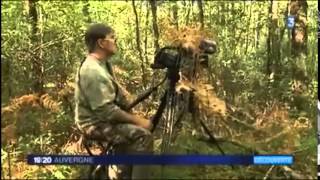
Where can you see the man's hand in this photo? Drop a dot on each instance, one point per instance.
(120, 116)
(144, 123)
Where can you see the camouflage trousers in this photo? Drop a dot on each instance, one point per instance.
(128, 139)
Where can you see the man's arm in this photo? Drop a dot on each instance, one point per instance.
(101, 95)
(114, 114)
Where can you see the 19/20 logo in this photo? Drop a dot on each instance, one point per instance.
(42, 160)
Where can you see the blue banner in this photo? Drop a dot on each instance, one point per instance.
(160, 159)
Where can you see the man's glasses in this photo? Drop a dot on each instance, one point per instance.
(111, 39)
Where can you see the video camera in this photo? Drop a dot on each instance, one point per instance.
(167, 57)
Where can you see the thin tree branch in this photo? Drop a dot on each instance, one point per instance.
(138, 43)
(268, 172)
(154, 23)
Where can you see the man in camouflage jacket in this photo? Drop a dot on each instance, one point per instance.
(100, 102)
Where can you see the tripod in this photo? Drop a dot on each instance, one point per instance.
(169, 100)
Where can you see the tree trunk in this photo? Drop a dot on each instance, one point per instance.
(222, 17)
(6, 77)
(201, 13)
(188, 14)
(248, 32)
(282, 31)
(138, 41)
(175, 15)
(37, 64)
(258, 28)
(146, 35)
(273, 44)
(269, 59)
(276, 44)
(85, 11)
(234, 42)
(155, 24)
(299, 54)
(299, 32)
(299, 38)
(193, 17)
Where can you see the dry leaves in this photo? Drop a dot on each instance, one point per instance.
(206, 99)
(67, 90)
(32, 100)
(188, 36)
(47, 102)
(8, 134)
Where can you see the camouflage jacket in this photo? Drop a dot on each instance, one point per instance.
(100, 95)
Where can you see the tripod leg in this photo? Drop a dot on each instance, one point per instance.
(212, 138)
(194, 111)
(178, 125)
(100, 172)
(168, 123)
(185, 99)
(157, 116)
(206, 129)
(90, 172)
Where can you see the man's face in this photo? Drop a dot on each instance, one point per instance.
(109, 44)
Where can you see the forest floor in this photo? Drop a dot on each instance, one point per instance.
(185, 143)
(32, 131)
